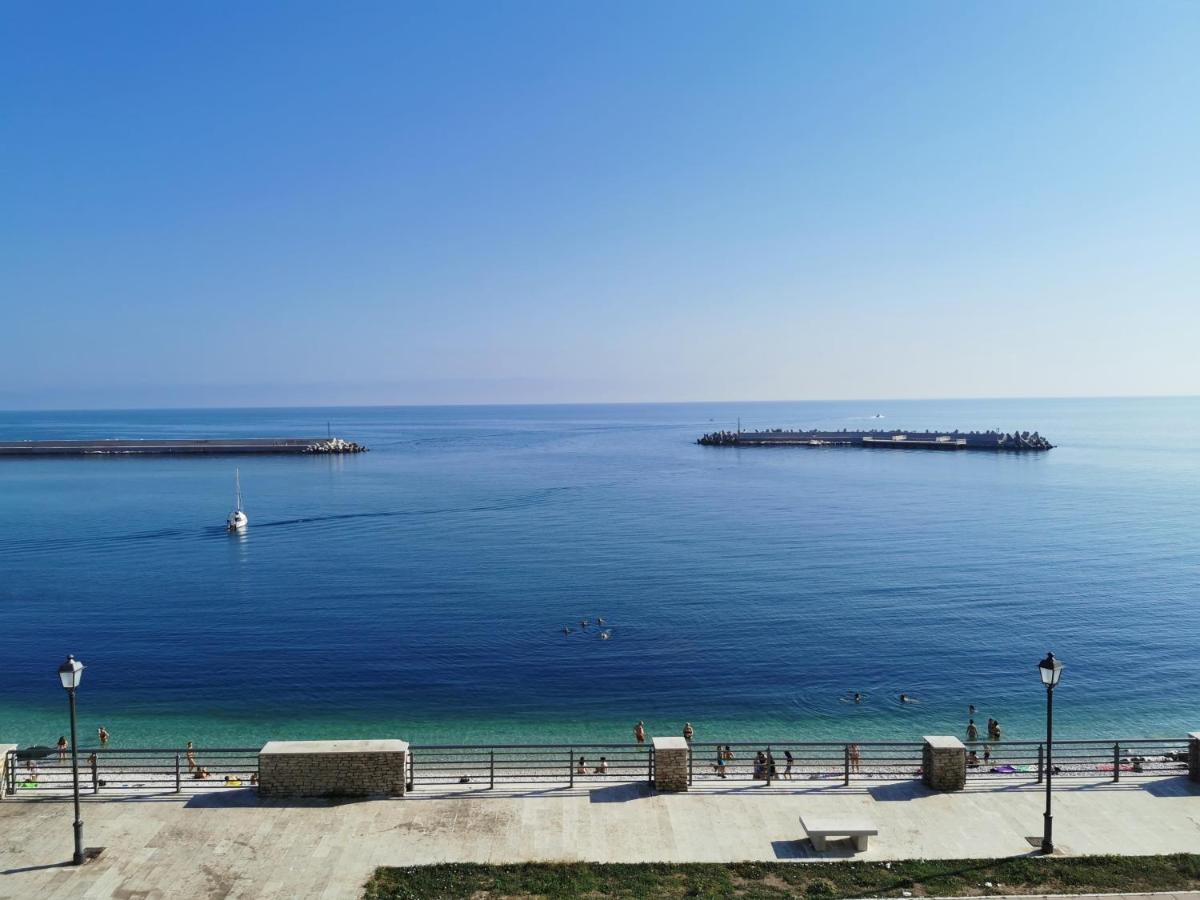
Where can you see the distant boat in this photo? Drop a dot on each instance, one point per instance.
(237, 519)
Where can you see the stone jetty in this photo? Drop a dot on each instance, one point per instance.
(185, 447)
(1014, 441)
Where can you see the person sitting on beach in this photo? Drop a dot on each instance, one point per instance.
(972, 730)
(253, 778)
(201, 773)
(973, 760)
(582, 768)
(62, 747)
(602, 769)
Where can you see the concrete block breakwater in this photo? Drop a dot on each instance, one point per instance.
(188, 446)
(1016, 441)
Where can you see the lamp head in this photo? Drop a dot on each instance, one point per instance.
(71, 673)
(1050, 670)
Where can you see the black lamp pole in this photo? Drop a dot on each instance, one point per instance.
(70, 674)
(1050, 670)
(78, 857)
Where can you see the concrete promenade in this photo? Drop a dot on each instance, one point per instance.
(231, 843)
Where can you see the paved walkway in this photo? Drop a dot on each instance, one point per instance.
(228, 843)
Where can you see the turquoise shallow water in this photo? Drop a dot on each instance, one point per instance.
(418, 590)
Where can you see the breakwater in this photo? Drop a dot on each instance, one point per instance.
(188, 447)
(1015, 441)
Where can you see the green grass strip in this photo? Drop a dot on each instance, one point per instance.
(824, 880)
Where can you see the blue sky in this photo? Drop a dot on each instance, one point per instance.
(290, 203)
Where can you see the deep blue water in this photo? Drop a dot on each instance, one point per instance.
(418, 590)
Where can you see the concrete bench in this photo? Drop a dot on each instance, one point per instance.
(821, 830)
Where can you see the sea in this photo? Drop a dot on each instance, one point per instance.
(420, 590)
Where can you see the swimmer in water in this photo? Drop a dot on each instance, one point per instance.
(857, 697)
(904, 698)
(566, 630)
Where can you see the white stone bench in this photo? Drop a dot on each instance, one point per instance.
(821, 830)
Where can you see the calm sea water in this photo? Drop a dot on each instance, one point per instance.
(418, 590)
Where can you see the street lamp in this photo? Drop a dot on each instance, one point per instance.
(1050, 670)
(71, 673)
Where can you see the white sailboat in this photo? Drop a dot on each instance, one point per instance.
(237, 519)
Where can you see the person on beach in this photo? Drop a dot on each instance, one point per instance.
(32, 770)
(987, 752)
(728, 753)
(972, 730)
(855, 756)
(639, 732)
(200, 774)
(602, 769)
(191, 757)
(787, 765)
(102, 733)
(688, 731)
(719, 768)
(772, 772)
(581, 769)
(973, 760)
(62, 747)
(760, 766)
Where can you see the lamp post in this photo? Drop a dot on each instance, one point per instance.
(71, 673)
(1050, 670)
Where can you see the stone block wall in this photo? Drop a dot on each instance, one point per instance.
(671, 756)
(332, 768)
(944, 764)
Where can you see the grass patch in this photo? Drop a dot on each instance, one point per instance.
(761, 881)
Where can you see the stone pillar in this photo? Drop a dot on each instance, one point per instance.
(4, 773)
(670, 763)
(332, 768)
(1193, 756)
(944, 764)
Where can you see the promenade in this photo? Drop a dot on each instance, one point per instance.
(230, 843)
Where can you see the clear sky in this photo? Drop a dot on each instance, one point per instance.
(250, 203)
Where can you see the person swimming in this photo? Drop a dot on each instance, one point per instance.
(904, 698)
(857, 697)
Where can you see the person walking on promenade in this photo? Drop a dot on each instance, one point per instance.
(972, 730)
(62, 748)
(102, 733)
(639, 732)
(772, 773)
(688, 731)
(191, 757)
(855, 757)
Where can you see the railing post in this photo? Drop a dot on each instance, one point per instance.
(412, 769)
(770, 756)
(1117, 761)
(571, 766)
(846, 765)
(178, 786)
(1041, 762)
(95, 773)
(492, 767)
(691, 756)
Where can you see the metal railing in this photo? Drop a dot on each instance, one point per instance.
(131, 770)
(45, 771)
(1142, 757)
(784, 761)
(433, 765)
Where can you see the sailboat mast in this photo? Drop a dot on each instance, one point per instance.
(237, 480)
